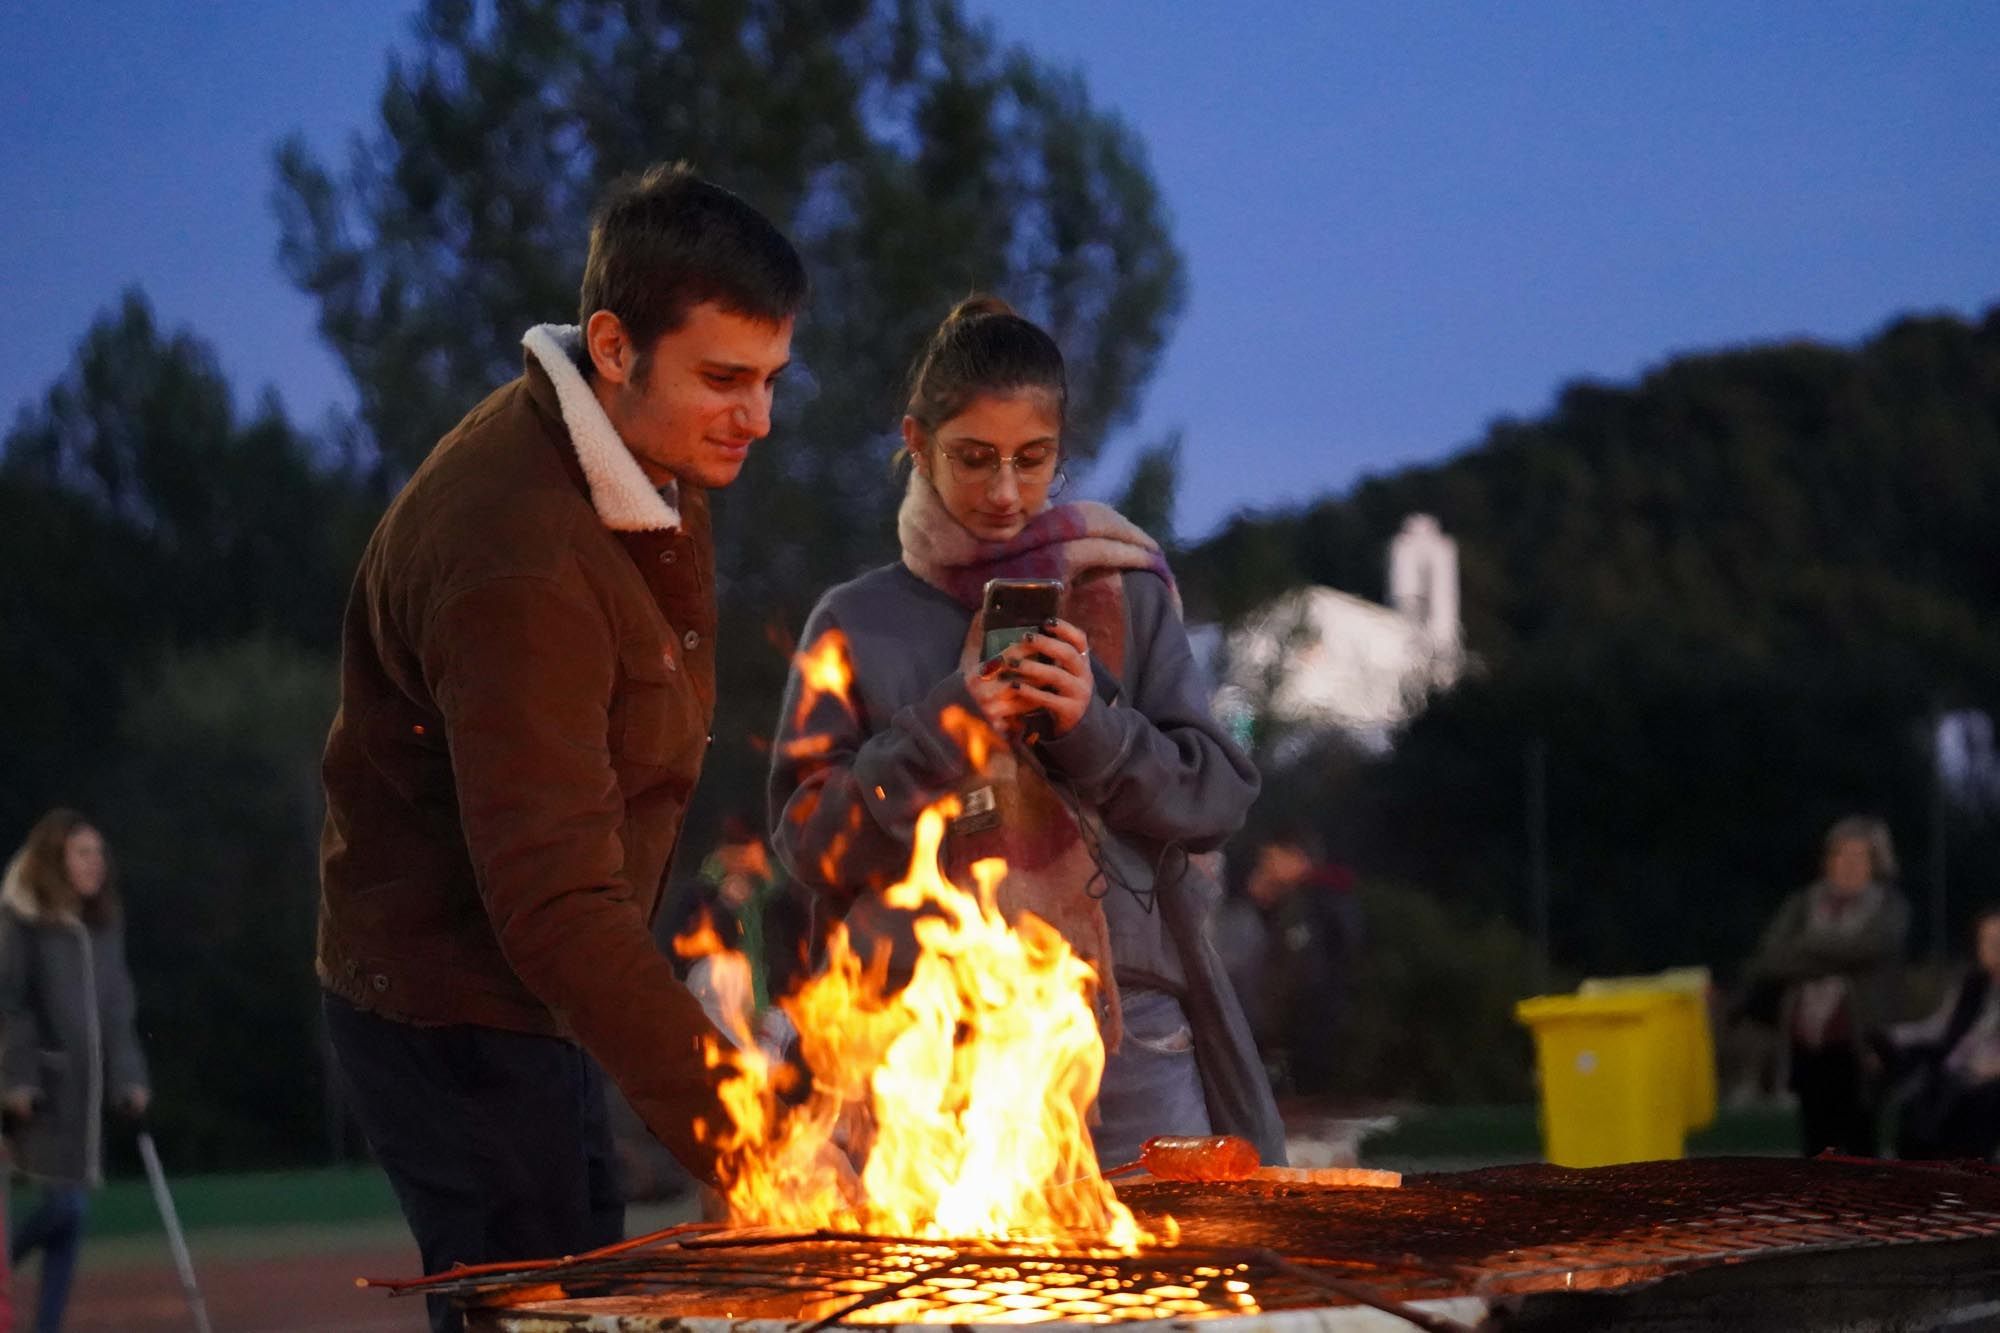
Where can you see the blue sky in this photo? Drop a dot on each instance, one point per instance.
(1400, 220)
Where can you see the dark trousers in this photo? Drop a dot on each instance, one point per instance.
(1836, 1109)
(56, 1229)
(497, 1143)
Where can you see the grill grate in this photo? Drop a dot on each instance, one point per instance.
(1252, 1247)
(1529, 1227)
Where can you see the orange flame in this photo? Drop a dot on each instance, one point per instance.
(824, 672)
(962, 1096)
(973, 733)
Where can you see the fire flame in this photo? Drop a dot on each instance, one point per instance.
(971, 732)
(962, 1096)
(824, 672)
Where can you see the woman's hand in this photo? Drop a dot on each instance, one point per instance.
(1049, 669)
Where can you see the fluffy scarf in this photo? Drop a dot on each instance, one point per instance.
(1044, 840)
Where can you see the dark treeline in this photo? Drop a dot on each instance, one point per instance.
(1725, 603)
(1723, 599)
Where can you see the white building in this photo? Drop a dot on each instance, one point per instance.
(1318, 658)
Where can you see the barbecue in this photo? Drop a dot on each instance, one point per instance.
(928, 1162)
(1721, 1242)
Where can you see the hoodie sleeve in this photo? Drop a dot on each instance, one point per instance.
(1155, 763)
(845, 795)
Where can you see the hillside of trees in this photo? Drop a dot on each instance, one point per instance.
(1724, 603)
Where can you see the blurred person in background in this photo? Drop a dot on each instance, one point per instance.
(1831, 958)
(527, 683)
(1952, 1059)
(1097, 813)
(70, 1047)
(1291, 935)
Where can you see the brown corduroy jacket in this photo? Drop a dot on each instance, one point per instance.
(525, 699)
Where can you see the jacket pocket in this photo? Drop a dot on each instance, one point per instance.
(655, 718)
(408, 750)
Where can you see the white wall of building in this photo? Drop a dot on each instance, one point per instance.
(1319, 657)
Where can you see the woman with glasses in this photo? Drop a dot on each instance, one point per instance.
(1110, 778)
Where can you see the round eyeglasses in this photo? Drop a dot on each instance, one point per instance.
(979, 465)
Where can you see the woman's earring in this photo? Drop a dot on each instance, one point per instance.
(1061, 483)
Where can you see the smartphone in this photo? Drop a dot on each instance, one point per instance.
(1014, 609)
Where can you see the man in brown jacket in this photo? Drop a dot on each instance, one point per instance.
(527, 678)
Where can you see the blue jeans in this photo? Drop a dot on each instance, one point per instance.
(497, 1144)
(56, 1229)
(1151, 1084)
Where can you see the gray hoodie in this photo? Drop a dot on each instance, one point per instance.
(1147, 756)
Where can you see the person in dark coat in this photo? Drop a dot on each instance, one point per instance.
(71, 1048)
(1831, 957)
(1292, 938)
(1952, 1059)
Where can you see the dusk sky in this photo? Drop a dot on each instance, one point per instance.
(1400, 220)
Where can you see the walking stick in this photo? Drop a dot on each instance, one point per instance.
(183, 1264)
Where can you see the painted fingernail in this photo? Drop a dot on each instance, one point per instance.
(1050, 623)
(1014, 685)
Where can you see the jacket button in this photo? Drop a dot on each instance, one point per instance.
(691, 640)
(666, 557)
(379, 982)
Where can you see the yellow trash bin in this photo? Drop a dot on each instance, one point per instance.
(1693, 1035)
(1612, 1076)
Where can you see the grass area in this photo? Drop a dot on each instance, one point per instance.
(1512, 1134)
(333, 1197)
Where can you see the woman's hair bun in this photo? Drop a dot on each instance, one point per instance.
(977, 306)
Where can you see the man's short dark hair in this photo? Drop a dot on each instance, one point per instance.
(665, 241)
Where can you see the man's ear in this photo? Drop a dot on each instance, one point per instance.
(611, 351)
(913, 440)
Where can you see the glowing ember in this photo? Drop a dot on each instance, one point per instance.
(962, 1096)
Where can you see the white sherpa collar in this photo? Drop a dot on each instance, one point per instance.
(625, 500)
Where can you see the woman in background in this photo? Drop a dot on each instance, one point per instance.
(69, 1049)
(1097, 804)
(1832, 953)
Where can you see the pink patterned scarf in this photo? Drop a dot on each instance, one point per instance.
(1075, 542)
